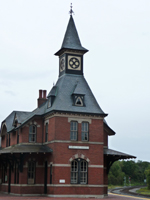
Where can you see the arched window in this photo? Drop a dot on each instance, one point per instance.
(79, 171)
(4, 130)
(32, 133)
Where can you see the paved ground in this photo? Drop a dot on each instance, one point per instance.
(110, 197)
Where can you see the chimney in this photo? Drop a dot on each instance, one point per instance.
(44, 94)
(42, 97)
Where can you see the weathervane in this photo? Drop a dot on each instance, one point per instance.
(71, 11)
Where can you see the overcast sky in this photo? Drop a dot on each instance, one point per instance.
(117, 66)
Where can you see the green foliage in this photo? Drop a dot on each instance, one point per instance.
(137, 171)
(147, 173)
(144, 191)
(116, 175)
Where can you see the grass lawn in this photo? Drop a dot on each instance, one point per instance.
(114, 186)
(144, 191)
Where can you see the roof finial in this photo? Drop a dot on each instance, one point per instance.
(71, 11)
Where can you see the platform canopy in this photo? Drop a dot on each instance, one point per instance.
(110, 156)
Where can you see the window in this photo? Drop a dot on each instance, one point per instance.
(79, 171)
(32, 133)
(31, 172)
(18, 137)
(16, 173)
(46, 132)
(85, 131)
(7, 140)
(49, 102)
(73, 130)
(78, 102)
(51, 172)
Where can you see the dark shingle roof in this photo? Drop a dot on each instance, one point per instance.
(53, 91)
(26, 148)
(21, 116)
(63, 90)
(78, 89)
(117, 154)
(71, 38)
(66, 84)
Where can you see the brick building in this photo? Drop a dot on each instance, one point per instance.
(61, 147)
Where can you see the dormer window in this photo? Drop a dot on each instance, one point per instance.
(78, 100)
(78, 95)
(51, 96)
(49, 103)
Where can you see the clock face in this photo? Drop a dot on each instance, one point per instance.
(74, 63)
(62, 64)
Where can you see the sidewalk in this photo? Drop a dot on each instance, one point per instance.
(110, 197)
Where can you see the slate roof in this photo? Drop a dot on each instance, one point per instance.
(53, 91)
(78, 89)
(26, 148)
(21, 116)
(108, 129)
(63, 101)
(71, 38)
(117, 154)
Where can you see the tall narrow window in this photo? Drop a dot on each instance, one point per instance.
(17, 173)
(46, 132)
(32, 133)
(74, 172)
(83, 172)
(8, 139)
(79, 171)
(51, 171)
(31, 172)
(85, 131)
(18, 137)
(73, 130)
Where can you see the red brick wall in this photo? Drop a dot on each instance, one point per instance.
(13, 138)
(105, 138)
(3, 141)
(59, 129)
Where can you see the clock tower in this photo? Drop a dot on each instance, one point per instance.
(71, 52)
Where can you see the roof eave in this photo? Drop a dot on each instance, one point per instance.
(62, 50)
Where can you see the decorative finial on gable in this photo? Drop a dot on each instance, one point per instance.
(71, 11)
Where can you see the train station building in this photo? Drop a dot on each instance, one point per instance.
(60, 148)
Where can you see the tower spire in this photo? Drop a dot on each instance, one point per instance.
(71, 39)
(71, 11)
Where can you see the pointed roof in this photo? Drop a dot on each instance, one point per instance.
(78, 89)
(71, 39)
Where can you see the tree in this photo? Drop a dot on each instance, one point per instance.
(147, 172)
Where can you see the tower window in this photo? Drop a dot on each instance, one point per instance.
(85, 131)
(73, 130)
(79, 171)
(78, 100)
(32, 133)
